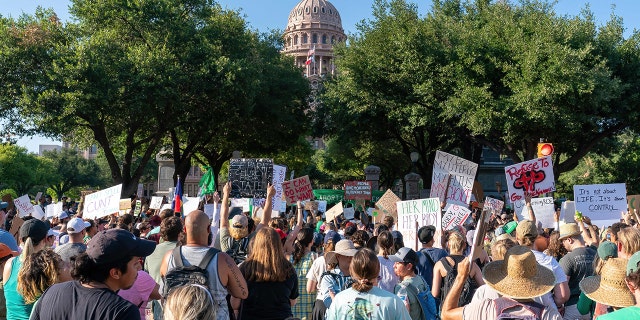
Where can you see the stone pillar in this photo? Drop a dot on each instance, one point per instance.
(372, 174)
(412, 190)
(165, 172)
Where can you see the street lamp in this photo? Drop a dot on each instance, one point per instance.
(414, 158)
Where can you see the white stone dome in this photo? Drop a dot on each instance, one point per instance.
(308, 12)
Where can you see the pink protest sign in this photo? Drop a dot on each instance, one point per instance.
(297, 189)
(533, 177)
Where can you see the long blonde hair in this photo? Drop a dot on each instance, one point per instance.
(266, 261)
(190, 302)
(38, 273)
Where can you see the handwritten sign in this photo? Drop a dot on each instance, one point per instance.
(387, 204)
(279, 173)
(357, 190)
(423, 211)
(102, 203)
(544, 209)
(156, 203)
(493, 205)
(455, 216)
(250, 177)
(335, 211)
(601, 201)
(454, 177)
(533, 177)
(297, 189)
(24, 206)
(244, 203)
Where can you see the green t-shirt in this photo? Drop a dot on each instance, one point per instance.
(632, 312)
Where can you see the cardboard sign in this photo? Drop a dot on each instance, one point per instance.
(190, 204)
(124, 204)
(357, 190)
(544, 209)
(250, 177)
(156, 203)
(455, 216)
(493, 205)
(601, 202)
(478, 236)
(453, 177)
(423, 211)
(102, 203)
(334, 212)
(568, 211)
(387, 204)
(24, 206)
(633, 202)
(297, 189)
(311, 205)
(533, 177)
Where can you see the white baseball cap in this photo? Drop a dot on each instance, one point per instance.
(76, 225)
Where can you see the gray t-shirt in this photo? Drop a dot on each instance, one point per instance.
(577, 265)
(68, 250)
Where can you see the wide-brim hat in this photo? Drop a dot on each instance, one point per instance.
(610, 287)
(519, 276)
(569, 230)
(343, 248)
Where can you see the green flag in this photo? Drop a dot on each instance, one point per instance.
(207, 183)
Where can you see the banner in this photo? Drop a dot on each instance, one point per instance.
(387, 204)
(156, 203)
(413, 214)
(601, 202)
(455, 216)
(24, 206)
(454, 177)
(544, 209)
(297, 189)
(334, 212)
(493, 205)
(250, 177)
(331, 196)
(357, 190)
(102, 203)
(534, 177)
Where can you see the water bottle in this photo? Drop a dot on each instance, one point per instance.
(402, 293)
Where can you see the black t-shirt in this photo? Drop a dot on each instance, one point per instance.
(270, 300)
(70, 300)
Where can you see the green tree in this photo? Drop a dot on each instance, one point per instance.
(73, 171)
(23, 172)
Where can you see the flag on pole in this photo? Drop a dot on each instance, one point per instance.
(309, 61)
(312, 51)
(177, 197)
(207, 183)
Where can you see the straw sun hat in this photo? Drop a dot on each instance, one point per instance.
(519, 276)
(610, 287)
(343, 248)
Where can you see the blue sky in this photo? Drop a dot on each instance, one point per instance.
(265, 15)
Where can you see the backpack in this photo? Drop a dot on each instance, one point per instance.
(181, 275)
(531, 310)
(427, 301)
(336, 277)
(238, 249)
(452, 272)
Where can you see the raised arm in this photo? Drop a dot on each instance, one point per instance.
(527, 201)
(268, 204)
(224, 208)
(291, 238)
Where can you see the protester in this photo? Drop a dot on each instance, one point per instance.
(517, 279)
(111, 263)
(224, 275)
(90, 231)
(190, 302)
(609, 289)
(387, 279)
(5, 254)
(75, 246)
(42, 270)
(32, 236)
(628, 242)
(6, 237)
(318, 268)
(632, 281)
(500, 247)
(405, 262)
(555, 248)
(271, 279)
(302, 260)
(577, 264)
(143, 290)
(337, 277)
(364, 300)
(429, 255)
(585, 305)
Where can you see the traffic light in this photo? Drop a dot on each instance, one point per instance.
(545, 149)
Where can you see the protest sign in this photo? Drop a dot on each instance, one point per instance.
(568, 211)
(244, 203)
(38, 196)
(336, 210)
(165, 206)
(544, 209)
(24, 206)
(387, 204)
(156, 203)
(37, 213)
(138, 209)
(279, 173)
(124, 204)
(493, 205)
(140, 191)
(249, 177)
(601, 202)
(330, 195)
(633, 201)
(455, 216)
(453, 177)
(413, 214)
(322, 206)
(297, 189)
(533, 177)
(478, 236)
(102, 203)
(53, 210)
(190, 204)
(311, 205)
(349, 213)
(357, 190)
(212, 210)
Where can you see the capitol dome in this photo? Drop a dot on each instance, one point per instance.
(314, 26)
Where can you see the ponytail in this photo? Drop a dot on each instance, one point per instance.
(304, 238)
(29, 248)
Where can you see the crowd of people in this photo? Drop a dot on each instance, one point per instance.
(162, 264)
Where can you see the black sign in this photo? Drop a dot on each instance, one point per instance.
(249, 177)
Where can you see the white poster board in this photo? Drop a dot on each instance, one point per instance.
(493, 205)
(456, 173)
(165, 206)
(601, 202)
(424, 212)
(156, 203)
(568, 211)
(189, 204)
(544, 209)
(336, 210)
(534, 177)
(24, 206)
(102, 203)
(38, 213)
(244, 203)
(349, 213)
(455, 216)
(279, 173)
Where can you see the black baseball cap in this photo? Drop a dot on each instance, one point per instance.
(34, 229)
(114, 244)
(426, 233)
(405, 254)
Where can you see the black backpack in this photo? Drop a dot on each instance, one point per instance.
(181, 275)
(238, 249)
(452, 272)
